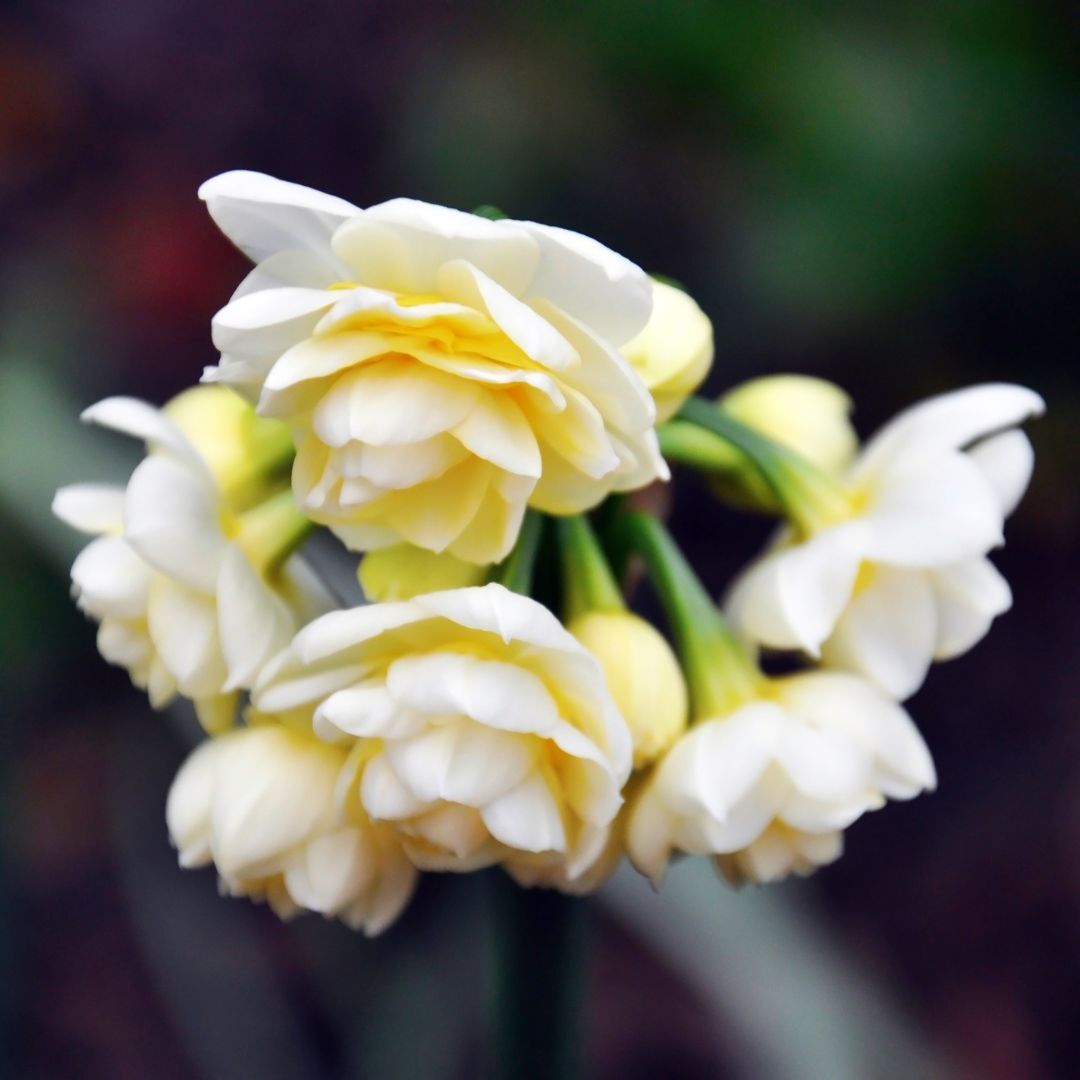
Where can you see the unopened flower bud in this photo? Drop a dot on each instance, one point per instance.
(643, 677)
(674, 352)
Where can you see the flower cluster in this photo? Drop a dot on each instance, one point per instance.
(449, 394)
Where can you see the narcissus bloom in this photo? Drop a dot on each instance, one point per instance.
(674, 352)
(262, 805)
(889, 571)
(769, 787)
(440, 371)
(492, 737)
(191, 596)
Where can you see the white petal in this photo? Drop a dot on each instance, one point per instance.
(792, 597)
(969, 596)
(527, 817)
(171, 519)
(130, 416)
(391, 892)
(331, 870)
(932, 513)
(183, 627)
(1007, 461)
(949, 422)
(825, 765)
(341, 630)
(649, 835)
(461, 763)
(90, 508)
(366, 712)
(401, 244)
(188, 808)
(887, 632)
(491, 692)
(497, 431)
(111, 579)
(270, 320)
(835, 701)
(254, 623)
(262, 215)
(590, 282)
(383, 795)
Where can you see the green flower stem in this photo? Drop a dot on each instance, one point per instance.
(270, 532)
(691, 444)
(811, 498)
(539, 981)
(588, 583)
(516, 570)
(719, 671)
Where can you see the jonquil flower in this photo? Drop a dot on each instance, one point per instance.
(769, 786)
(193, 597)
(886, 570)
(674, 352)
(440, 371)
(770, 771)
(262, 804)
(485, 730)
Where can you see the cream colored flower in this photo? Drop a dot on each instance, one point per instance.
(440, 371)
(674, 352)
(769, 787)
(493, 738)
(262, 805)
(891, 573)
(642, 674)
(188, 599)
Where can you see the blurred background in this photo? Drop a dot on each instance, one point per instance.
(884, 195)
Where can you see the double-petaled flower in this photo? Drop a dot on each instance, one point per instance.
(264, 804)
(480, 728)
(440, 371)
(886, 569)
(193, 595)
(768, 787)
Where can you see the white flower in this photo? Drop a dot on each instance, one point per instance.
(440, 371)
(769, 787)
(262, 805)
(895, 576)
(176, 580)
(497, 740)
(674, 352)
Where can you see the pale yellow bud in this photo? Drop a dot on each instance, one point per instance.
(403, 571)
(247, 454)
(674, 352)
(642, 675)
(807, 415)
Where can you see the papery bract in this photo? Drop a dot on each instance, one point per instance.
(262, 804)
(441, 371)
(492, 736)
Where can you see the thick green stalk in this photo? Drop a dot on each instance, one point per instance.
(811, 498)
(539, 981)
(588, 583)
(270, 532)
(719, 671)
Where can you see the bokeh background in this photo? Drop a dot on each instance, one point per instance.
(881, 194)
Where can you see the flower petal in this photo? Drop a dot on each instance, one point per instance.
(887, 632)
(969, 596)
(527, 817)
(1007, 461)
(90, 508)
(262, 215)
